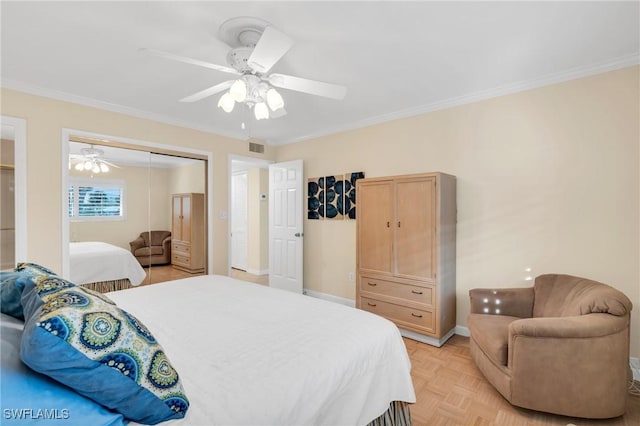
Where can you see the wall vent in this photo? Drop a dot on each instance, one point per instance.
(256, 147)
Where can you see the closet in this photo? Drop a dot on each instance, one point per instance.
(406, 251)
(188, 232)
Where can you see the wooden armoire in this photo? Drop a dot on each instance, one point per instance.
(406, 253)
(188, 232)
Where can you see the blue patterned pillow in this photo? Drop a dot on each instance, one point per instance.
(82, 339)
(11, 291)
(10, 294)
(33, 269)
(27, 397)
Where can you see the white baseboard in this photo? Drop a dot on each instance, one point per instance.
(462, 331)
(330, 298)
(426, 339)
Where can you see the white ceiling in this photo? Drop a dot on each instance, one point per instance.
(396, 58)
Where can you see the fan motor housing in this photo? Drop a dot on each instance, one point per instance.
(238, 57)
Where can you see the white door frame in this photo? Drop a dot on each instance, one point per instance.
(258, 162)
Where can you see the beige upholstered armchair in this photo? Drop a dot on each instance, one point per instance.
(561, 346)
(152, 248)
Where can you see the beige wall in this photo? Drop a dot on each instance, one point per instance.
(189, 178)
(46, 118)
(548, 179)
(147, 207)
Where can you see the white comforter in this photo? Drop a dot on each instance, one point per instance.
(96, 261)
(249, 354)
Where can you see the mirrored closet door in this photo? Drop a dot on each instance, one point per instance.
(121, 204)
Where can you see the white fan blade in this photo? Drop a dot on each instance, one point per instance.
(281, 112)
(304, 85)
(270, 48)
(208, 92)
(186, 60)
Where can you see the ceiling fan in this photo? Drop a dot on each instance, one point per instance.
(256, 46)
(89, 160)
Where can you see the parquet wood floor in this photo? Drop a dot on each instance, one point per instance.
(161, 273)
(450, 390)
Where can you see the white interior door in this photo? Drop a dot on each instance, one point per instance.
(239, 244)
(286, 200)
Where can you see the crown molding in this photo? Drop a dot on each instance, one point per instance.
(521, 86)
(563, 76)
(94, 103)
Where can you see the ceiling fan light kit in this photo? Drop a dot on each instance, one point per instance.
(89, 160)
(256, 47)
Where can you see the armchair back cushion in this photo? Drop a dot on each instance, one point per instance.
(152, 248)
(154, 238)
(557, 295)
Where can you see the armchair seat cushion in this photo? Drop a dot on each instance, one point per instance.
(492, 335)
(149, 251)
(152, 248)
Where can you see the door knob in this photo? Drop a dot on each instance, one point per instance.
(298, 234)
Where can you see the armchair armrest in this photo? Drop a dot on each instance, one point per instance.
(136, 244)
(581, 326)
(550, 358)
(166, 244)
(515, 302)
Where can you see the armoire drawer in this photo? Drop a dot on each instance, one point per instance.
(180, 248)
(402, 315)
(180, 260)
(413, 293)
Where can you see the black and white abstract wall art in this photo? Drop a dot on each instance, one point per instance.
(332, 197)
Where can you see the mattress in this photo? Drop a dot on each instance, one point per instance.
(250, 354)
(92, 262)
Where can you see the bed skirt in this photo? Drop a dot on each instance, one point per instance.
(107, 286)
(398, 414)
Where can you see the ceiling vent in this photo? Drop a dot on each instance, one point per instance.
(256, 147)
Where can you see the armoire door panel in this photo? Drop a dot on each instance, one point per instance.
(176, 227)
(375, 217)
(186, 218)
(414, 228)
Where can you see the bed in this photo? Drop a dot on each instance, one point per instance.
(250, 354)
(104, 267)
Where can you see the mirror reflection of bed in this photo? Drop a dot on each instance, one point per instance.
(116, 195)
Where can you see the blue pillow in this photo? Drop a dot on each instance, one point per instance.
(11, 291)
(10, 294)
(33, 269)
(27, 397)
(82, 339)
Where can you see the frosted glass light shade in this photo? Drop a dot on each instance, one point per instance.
(261, 111)
(226, 102)
(79, 167)
(88, 165)
(274, 99)
(238, 90)
(104, 168)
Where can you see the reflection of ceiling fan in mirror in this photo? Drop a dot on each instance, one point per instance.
(256, 48)
(90, 159)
